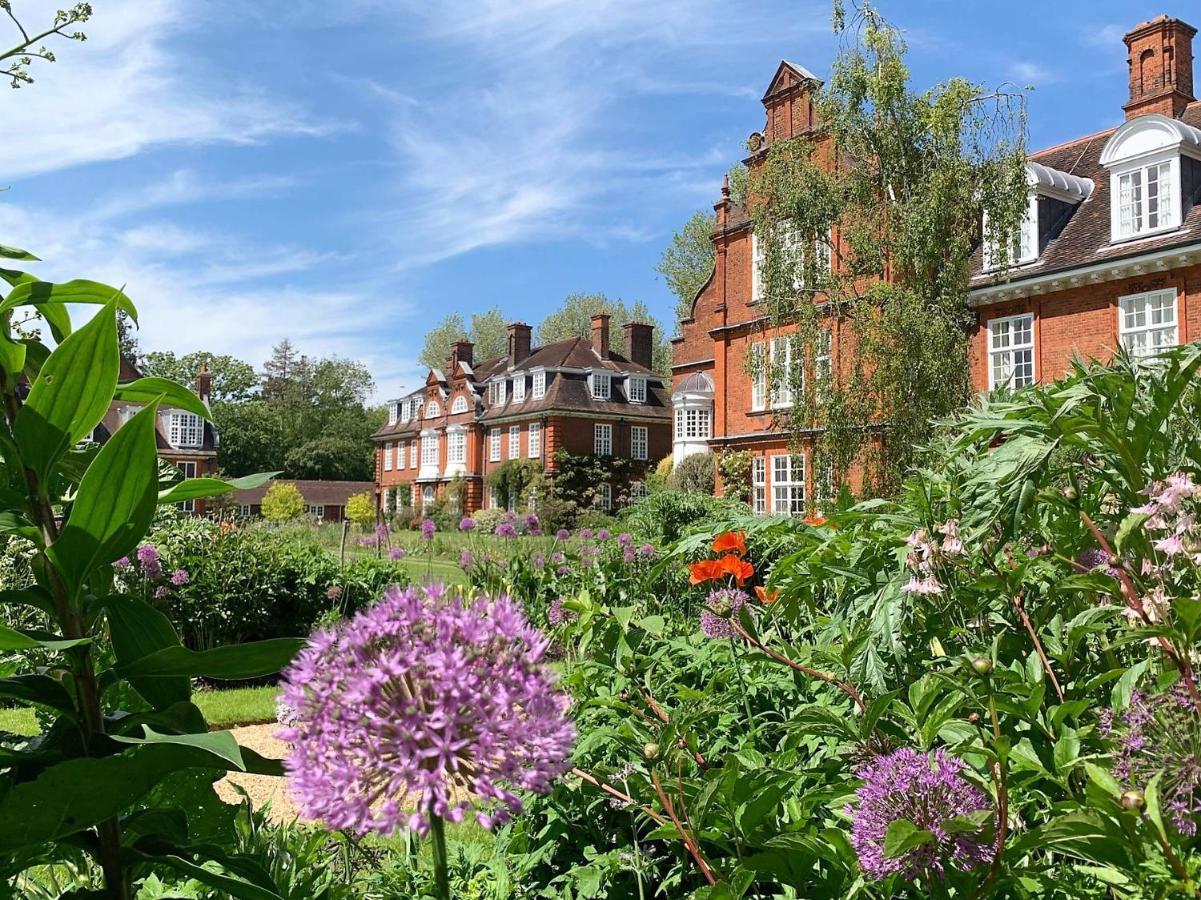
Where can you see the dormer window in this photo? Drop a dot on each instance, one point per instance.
(185, 429)
(599, 385)
(1052, 197)
(538, 388)
(1022, 244)
(393, 413)
(459, 406)
(1149, 158)
(636, 389)
(432, 409)
(406, 410)
(496, 392)
(519, 389)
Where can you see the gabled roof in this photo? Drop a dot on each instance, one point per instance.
(789, 75)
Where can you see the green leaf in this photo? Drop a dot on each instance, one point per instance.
(1066, 752)
(11, 639)
(138, 629)
(1151, 795)
(231, 662)
(1128, 526)
(192, 488)
(219, 743)
(15, 253)
(115, 502)
(1103, 780)
(902, 836)
(36, 293)
(41, 689)
(228, 885)
(168, 392)
(71, 393)
(12, 355)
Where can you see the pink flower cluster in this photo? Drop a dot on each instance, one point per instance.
(926, 551)
(423, 705)
(1175, 526)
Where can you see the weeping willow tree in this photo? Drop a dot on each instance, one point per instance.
(867, 226)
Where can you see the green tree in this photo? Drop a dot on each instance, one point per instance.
(687, 261)
(252, 437)
(360, 509)
(488, 333)
(283, 502)
(574, 319)
(233, 379)
(899, 217)
(331, 457)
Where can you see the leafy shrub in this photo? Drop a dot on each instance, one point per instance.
(735, 469)
(597, 520)
(282, 502)
(360, 509)
(665, 517)
(693, 473)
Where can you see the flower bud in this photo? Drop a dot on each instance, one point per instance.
(974, 718)
(650, 751)
(1069, 494)
(982, 665)
(1133, 800)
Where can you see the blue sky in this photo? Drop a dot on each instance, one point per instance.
(344, 173)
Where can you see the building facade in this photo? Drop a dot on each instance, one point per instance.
(325, 501)
(1109, 255)
(578, 395)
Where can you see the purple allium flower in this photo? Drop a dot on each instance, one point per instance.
(147, 554)
(538, 560)
(396, 718)
(562, 535)
(466, 560)
(1161, 735)
(625, 538)
(604, 534)
(585, 533)
(466, 524)
(647, 550)
(562, 570)
(368, 540)
(427, 529)
(720, 607)
(927, 789)
(122, 563)
(161, 593)
(628, 554)
(558, 558)
(533, 525)
(334, 593)
(180, 577)
(396, 553)
(557, 615)
(505, 530)
(381, 531)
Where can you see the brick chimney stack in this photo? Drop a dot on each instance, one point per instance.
(204, 383)
(460, 352)
(600, 335)
(1160, 57)
(639, 343)
(519, 342)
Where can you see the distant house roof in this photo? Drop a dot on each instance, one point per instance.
(317, 493)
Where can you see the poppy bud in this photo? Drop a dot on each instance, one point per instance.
(982, 665)
(1133, 800)
(1069, 493)
(650, 751)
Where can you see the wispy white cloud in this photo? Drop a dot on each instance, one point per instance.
(128, 88)
(1026, 72)
(1104, 36)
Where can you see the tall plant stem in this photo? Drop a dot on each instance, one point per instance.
(746, 700)
(441, 869)
(91, 714)
(843, 686)
(690, 843)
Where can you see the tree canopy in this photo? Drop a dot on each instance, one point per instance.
(574, 319)
(488, 332)
(687, 262)
(233, 379)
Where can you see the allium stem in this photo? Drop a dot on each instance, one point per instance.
(441, 869)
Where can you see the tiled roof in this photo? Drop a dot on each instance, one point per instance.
(318, 493)
(570, 393)
(1085, 238)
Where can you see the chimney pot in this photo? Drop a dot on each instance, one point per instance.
(204, 383)
(639, 343)
(600, 335)
(519, 343)
(460, 352)
(1160, 61)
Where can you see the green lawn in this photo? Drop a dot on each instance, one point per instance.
(223, 709)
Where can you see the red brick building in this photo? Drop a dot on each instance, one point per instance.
(325, 501)
(471, 418)
(1109, 255)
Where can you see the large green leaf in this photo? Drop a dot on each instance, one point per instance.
(232, 662)
(138, 629)
(193, 488)
(15, 253)
(11, 639)
(168, 392)
(71, 394)
(115, 502)
(12, 355)
(219, 743)
(228, 885)
(34, 688)
(36, 293)
(68, 797)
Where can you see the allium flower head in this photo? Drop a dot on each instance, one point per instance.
(466, 524)
(421, 704)
(428, 527)
(122, 563)
(533, 525)
(585, 534)
(625, 538)
(1161, 735)
(161, 593)
(927, 789)
(334, 592)
(147, 553)
(604, 534)
(647, 550)
(396, 553)
(628, 554)
(180, 577)
(557, 615)
(562, 534)
(506, 530)
(720, 607)
(381, 531)
(466, 561)
(538, 560)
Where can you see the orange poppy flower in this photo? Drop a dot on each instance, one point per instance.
(705, 570)
(764, 597)
(740, 569)
(815, 521)
(731, 540)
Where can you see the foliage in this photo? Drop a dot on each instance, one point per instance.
(330, 457)
(282, 502)
(693, 473)
(574, 319)
(233, 379)
(360, 509)
(514, 478)
(15, 62)
(1021, 618)
(488, 333)
(892, 186)
(91, 791)
(687, 261)
(734, 467)
(666, 516)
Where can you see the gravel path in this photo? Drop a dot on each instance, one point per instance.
(261, 788)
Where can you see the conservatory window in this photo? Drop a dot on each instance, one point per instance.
(788, 484)
(1011, 351)
(1147, 322)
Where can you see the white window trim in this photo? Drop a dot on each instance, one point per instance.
(606, 495)
(600, 385)
(1148, 329)
(602, 437)
(538, 384)
(497, 392)
(1170, 156)
(781, 387)
(387, 457)
(393, 413)
(756, 266)
(459, 406)
(759, 365)
(185, 429)
(433, 409)
(759, 485)
(639, 442)
(1024, 248)
(514, 441)
(456, 446)
(519, 389)
(413, 454)
(316, 510)
(793, 504)
(494, 445)
(1011, 349)
(636, 388)
(400, 454)
(534, 440)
